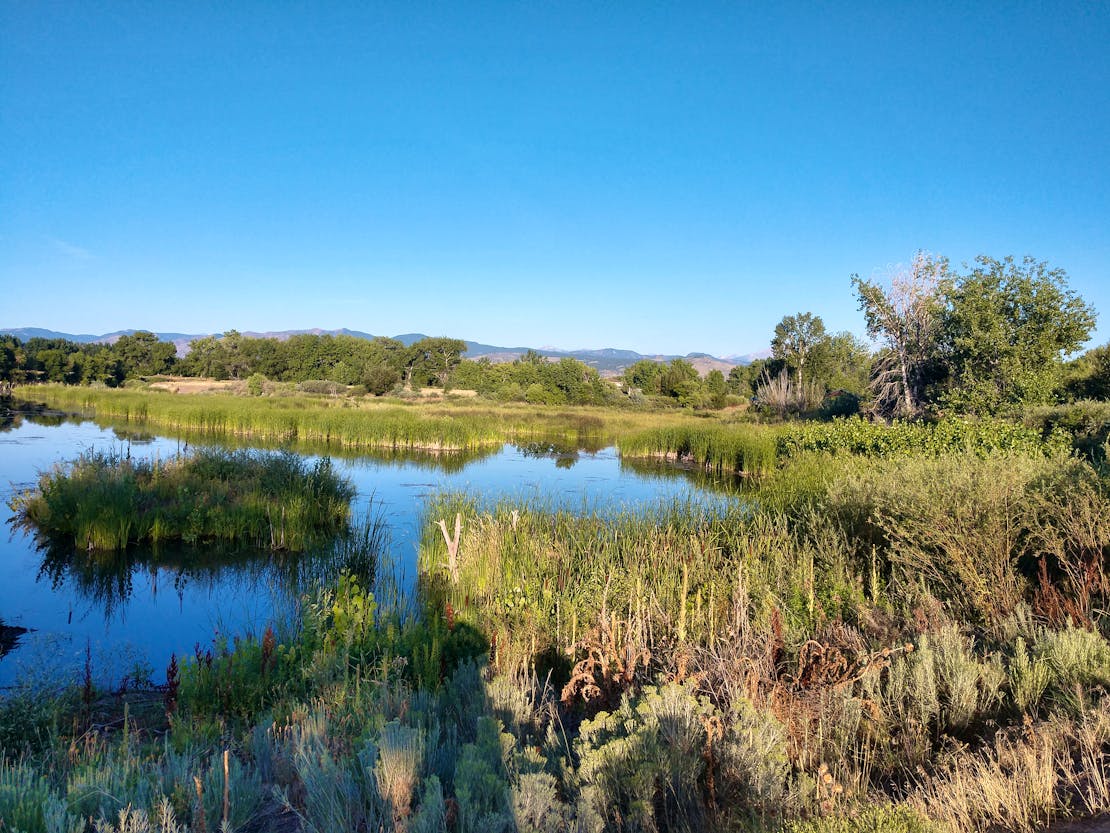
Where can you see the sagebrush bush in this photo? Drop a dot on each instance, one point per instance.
(1029, 677)
(752, 760)
(480, 782)
(399, 765)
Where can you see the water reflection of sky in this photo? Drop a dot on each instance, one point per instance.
(156, 610)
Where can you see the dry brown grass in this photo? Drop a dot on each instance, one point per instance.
(188, 384)
(1024, 783)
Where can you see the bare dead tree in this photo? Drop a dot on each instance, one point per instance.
(905, 318)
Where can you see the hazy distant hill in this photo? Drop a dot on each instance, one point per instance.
(25, 333)
(608, 360)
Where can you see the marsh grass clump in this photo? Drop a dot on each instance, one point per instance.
(757, 449)
(747, 449)
(106, 501)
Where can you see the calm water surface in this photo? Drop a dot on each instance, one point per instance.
(131, 611)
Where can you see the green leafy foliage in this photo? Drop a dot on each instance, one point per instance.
(796, 338)
(1007, 327)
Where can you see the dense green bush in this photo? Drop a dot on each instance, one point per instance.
(1087, 422)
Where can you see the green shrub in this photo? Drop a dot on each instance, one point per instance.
(26, 799)
(1029, 677)
(885, 818)
(641, 767)
(256, 384)
(754, 767)
(1086, 423)
(480, 784)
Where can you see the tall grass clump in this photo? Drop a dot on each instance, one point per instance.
(1022, 782)
(783, 396)
(106, 501)
(971, 529)
(759, 449)
(749, 449)
(557, 587)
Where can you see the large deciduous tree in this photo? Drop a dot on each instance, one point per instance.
(143, 354)
(1007, 327)
(796, 337)
(431, 360)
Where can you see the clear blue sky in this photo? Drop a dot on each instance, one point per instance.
(659, 176)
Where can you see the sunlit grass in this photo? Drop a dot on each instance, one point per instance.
(105, 501)
(351, 424)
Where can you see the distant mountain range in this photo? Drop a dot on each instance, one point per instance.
(608, 361)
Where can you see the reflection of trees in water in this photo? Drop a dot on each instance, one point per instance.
(105, 580)
(723, 484)
(9, 637)
(129, 436)
(13, 412)
(564, 454)
(559, 445)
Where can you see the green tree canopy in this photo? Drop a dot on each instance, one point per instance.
(1088, 377)
(1007, 326)
(143, 354)
(842, 362)
(796, 338)
(675, 379)
(644, 375)
(431, 360)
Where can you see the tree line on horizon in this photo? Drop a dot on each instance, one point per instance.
(991, 340)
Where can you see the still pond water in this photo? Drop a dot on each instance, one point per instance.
(131, 615)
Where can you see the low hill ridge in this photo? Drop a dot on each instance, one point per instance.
(607, 360)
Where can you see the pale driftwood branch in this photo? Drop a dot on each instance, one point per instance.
(452, 546)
